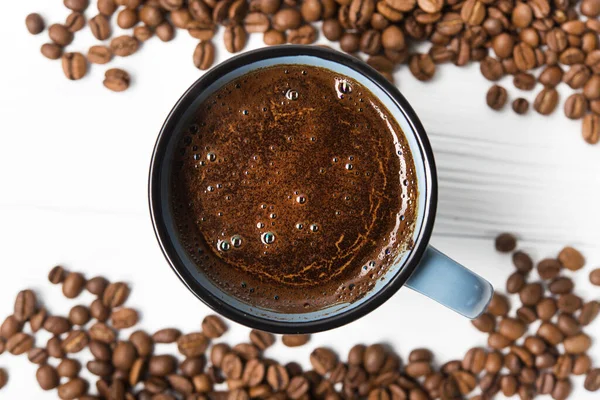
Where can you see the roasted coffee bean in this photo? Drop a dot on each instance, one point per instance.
(306, 34)
(491, 69)
(202, 383)
(287, 18)
(295, 340)
(592, 380)
(591, 89)
(232, 366)
(54, 347)
(73, 389)
(548, 268)
(98, 284)
(561, 390)
(142, 33)
(485, 322)
(76, 5)
(522, 262)
(79, 315)
(116, 293)
(99, 331)
(124, 317)
(256, 22)
(37, 320)
(524, 57)
(127, 18)
(575, 106)
(100, 27)
(10, 327)
(75, 22)
(165, 31)
(392, 38)
(420, 355)
(25, 305)
(550, 333)
(204, 55)
(122, 46)
(273, 38)
(37, 355)
(57, 325)
(167, 335)
(494, 362)
(422, 66)
(246, 351)
(262, 340)
(107, 7)
(156, 385)
(217, 353)
(349, 42)
(561, 285)
(571, 56)
(370, 42)
(151, 15)
(571, 258)
(100, 368)
(496, 97)
(513, 363)
(192, 366)
(520, 106)
(47, 377)
(161, 365)
(332, 29)
(589, 312)
(51, 51)
(577, 76)
(68, 368)
(75, 341)
(192, 344)
(527, 314)
(374, 358)
(516, 280)
(535, 345)
(498, 341)
(75, 67)
(581, 364)
(35, 23)
(474, 360)
(590, 129)
(180, 384)
(546, 101)
(417, 369)
(551, 76)
(592, 60)
(254, 372)
(524, 81)
(99, 55)
(546, 309)
(512, 328)
(577, 344)
(312, 10)
(569, 303)
(234, 38)
(545, 360)
(297, 387)
(499, 305)
(99, 311)
(277, 377)
(124, 355)
(60, 35)
(441, 55)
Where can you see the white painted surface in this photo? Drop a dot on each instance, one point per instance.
(73, 168)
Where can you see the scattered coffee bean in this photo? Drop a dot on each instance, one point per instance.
(54, 347)
(192, 344)
(213, 326)
(37, 355)
(422, 66)
(115, 294)
(496, 99)
(68, 368)
(118, 80)
(546, 101)
(75, 341)
(571, 259)
(262, 340)
(25, 305)
(124, 46)
(592, 380)
(35, 23)
(72, 389)
(531, 293)
(75, 22)
(60, 35)
(37, 320)
(57, 325)
(98, 55)
(47, 377)
(124, 318)
(590, 129)
(520, 106)
(75, 67)
(295, 340)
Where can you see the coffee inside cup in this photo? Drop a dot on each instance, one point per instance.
(294, 189)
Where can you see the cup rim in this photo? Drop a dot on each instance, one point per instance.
(335, 319)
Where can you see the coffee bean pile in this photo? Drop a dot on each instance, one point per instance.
(545, 41)
(514, 362)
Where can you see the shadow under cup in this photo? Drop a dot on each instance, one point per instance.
(160, 187)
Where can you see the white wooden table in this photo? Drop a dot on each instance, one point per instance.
(73, 169)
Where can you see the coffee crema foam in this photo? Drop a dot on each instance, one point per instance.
(294, 189)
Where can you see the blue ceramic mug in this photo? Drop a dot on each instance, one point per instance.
(423, 268)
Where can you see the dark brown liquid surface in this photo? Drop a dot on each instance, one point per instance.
(294, 189)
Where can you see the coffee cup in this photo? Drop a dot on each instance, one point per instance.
(423, 268)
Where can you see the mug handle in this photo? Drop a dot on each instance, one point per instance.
(444, 280)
